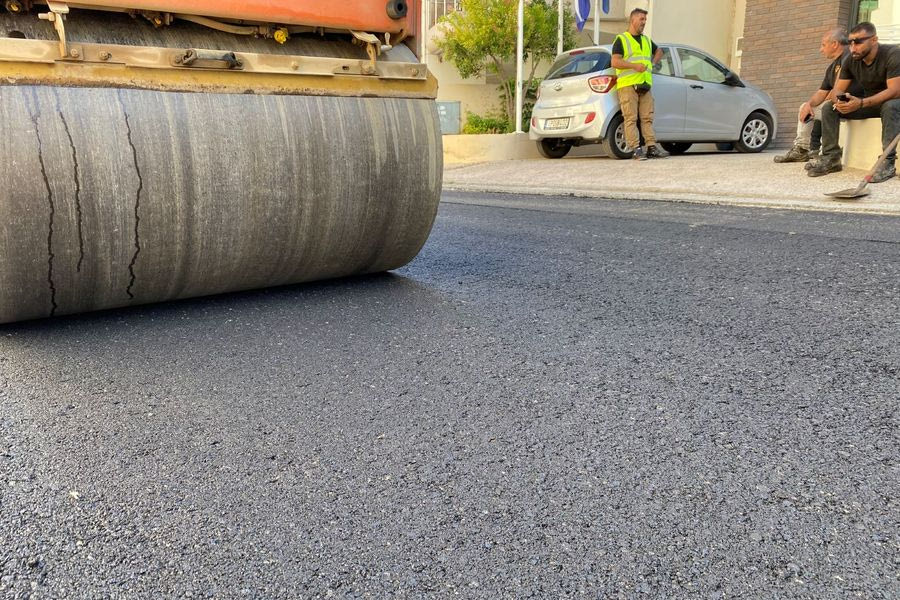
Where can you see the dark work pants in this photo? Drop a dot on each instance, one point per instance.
(815, 140)
(889, 113)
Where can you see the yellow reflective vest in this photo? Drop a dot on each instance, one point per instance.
(635, 53)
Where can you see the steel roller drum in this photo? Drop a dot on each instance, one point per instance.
(116, 196)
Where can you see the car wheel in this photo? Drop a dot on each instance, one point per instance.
(614, 143)
(755, 134)
(675, 148)
(553, 147)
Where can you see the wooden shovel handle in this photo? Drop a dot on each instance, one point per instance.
(882, 158)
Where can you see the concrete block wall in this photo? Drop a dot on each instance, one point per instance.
(781, 51)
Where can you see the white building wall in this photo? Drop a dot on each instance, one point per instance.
(712, 25)
(887, 20)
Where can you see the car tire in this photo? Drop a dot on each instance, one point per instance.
(553, 147)
(676, 148)
(756, 133)
(614, 142)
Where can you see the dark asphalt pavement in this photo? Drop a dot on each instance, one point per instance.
(558, 398)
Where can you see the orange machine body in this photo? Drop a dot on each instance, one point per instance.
(362, 15)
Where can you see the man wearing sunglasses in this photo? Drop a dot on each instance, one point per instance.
(807, 143)
(876, 68)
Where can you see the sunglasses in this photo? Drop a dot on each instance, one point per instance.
(857, 41)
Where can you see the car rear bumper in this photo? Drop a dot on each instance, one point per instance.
(577, 126)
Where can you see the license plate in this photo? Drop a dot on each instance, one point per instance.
(556, 124)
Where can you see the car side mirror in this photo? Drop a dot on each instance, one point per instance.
(733, 80)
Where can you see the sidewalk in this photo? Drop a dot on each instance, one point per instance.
(705, 178)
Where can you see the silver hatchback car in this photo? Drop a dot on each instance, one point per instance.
(697, 99)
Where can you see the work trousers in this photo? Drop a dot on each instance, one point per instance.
(634, 106)
(889, 113)
(804, 137)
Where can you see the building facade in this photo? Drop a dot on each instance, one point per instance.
(780, 46)
(773, 44)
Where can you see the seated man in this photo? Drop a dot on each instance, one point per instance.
(834, 48)
(877, 69)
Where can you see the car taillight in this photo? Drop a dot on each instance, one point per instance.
(533, 121)
(590, 118)
(602, 83)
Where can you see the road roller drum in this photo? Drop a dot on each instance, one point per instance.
(132, 177)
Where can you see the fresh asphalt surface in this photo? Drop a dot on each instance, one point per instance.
(557, 398)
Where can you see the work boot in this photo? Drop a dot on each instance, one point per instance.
(639, 154)
(884, 172)
(655, 151)
(795, 154)
(824, 166)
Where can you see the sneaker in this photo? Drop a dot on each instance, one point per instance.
(639, 154)
(795, 154)
(655, 151)
(824, 166)
(884, 172)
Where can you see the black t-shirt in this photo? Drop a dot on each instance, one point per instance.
(873, 78)
(618, 48)
(832, 73)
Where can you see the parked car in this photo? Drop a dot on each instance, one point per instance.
(698, 100)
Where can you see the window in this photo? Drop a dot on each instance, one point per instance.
(570, 65)
(700, 67)
(865, 9)
(441, 8)
(665, 66)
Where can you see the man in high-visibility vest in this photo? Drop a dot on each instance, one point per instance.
(634, 55)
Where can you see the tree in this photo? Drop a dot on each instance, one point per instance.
(481, 38)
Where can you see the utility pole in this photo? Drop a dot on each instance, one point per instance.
(426, 17)
(520, 65)
(559, 29)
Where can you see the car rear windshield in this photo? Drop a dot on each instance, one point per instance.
(570, 65)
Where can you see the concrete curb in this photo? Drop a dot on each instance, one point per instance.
(681, 197)
(708, 179)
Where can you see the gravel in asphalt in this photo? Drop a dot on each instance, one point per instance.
(558, 398)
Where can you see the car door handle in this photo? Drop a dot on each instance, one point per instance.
(694, 86)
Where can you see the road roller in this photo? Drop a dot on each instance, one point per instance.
(158, 150)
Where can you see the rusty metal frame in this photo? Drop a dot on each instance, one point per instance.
(147, 57)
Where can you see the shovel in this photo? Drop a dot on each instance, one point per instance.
(860, 190)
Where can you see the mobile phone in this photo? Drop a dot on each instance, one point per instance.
(844, 97)
(808, 119)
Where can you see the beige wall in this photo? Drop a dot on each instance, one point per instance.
(479, 95)
(887, 13)
(474, 94)
(706, 24)
(712, 25)
(737, 33)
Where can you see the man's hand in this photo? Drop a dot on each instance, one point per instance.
(640, 67)
(852, 104)
(806, 112)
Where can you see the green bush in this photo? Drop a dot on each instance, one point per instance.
(478, 124)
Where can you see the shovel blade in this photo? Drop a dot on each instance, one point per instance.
(857, 192)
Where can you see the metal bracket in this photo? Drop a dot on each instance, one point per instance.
(145, 57)
(207, 59)
(373, 49)
(58, 11)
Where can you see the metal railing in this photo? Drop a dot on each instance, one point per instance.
(440, 8)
